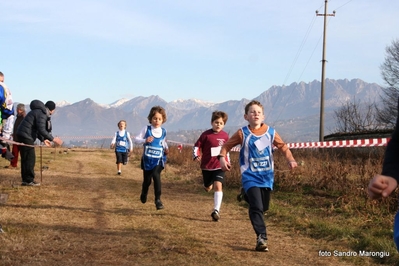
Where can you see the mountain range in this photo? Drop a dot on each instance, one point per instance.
(292, 110)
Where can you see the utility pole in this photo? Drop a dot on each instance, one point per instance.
(323, 65)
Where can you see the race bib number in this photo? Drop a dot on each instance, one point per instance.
(153, 152)
(260, 164)
(215, 151)
(262, 143)
(122, 143)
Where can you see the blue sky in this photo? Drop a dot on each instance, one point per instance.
(209, 50)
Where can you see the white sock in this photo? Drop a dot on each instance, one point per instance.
(217, 198)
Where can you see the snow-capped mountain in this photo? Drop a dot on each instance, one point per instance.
(62, 104)
(118, 103)
(293, 110)
(189, 104)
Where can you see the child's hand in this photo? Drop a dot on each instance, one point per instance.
(292, 164)
(198, 158)
(166, 151)
(381, 186)
(224, 164)
(149, 139)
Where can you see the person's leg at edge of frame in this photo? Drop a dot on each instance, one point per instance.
(396, 230)
(256, 216)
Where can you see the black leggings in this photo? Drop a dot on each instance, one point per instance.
(148, 175)
(258, 199)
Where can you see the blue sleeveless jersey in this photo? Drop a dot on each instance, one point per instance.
(154, 151)
(256, 159)
(122, 143)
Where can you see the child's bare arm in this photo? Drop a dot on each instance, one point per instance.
(235, 140)
(282, 147)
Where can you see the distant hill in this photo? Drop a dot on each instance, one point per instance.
(293, 110)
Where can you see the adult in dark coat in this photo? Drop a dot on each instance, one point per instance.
(384, 184)
(34, 126)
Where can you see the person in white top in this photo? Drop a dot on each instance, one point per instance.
(123, 145)
(153, 138)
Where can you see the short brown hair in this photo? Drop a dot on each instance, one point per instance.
(121, 122)
(253, 102)
(219, 114)
(157, 109)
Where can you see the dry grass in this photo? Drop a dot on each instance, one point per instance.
(85, 214)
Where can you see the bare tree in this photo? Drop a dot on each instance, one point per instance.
(355, 116)
(390, 73)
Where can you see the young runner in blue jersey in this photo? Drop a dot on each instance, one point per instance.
(256, 165)
(153, 138)
(123, 145)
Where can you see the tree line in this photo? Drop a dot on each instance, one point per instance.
(356, 116)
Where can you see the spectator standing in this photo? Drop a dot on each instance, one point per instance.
(34, 126)
(21, 113)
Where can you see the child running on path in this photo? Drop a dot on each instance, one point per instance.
(384, 184)
(123, 145)
(256, 165)
(153, 160)
(205, 150)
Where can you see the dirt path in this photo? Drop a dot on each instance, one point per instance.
(85, 214)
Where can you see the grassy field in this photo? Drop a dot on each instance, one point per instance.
(85, 214)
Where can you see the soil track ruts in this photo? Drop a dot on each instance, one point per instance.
(85, 214)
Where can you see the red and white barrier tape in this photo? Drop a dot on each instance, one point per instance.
(341, 143)
(324, 144)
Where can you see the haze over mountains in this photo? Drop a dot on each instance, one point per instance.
(292, 110)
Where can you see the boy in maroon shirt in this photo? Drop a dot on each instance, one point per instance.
(206, 149)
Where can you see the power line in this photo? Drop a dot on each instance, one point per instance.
(294, 62)
(342, 5)
(300, 49)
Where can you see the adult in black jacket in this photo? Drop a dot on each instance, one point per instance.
(34, 126)
(383, 185)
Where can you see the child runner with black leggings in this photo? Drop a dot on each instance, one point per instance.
(153, 138)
